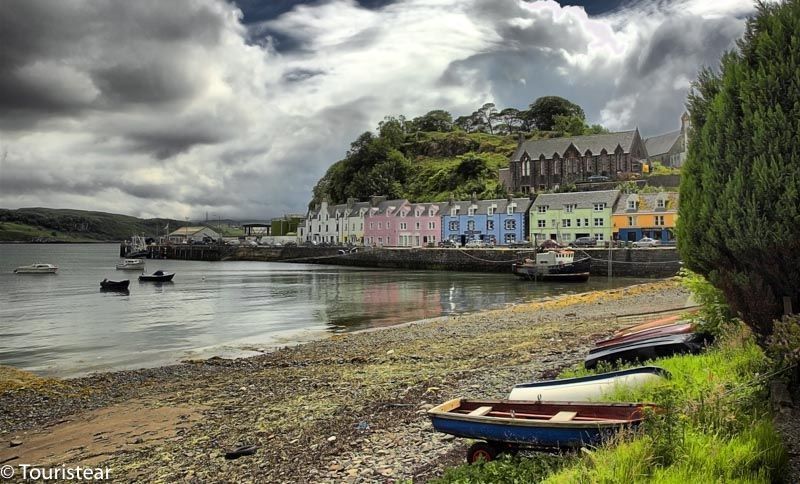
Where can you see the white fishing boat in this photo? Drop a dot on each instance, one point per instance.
(131, 265)
(37, 269)
(587, 388)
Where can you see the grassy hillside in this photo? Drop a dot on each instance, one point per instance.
(65, 225)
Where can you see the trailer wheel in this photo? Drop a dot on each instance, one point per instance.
(481, 451)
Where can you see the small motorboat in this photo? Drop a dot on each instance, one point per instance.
(587, 388)
(648, 349)
(131, 265)
(680, 328)
(157, 276)
(505, 425)
(37, 269)
(107, 285)
(554, 265)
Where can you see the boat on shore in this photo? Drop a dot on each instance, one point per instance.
(506, 425)
(131, 265)
(115, 285)
(587, 388)
(667, 330)
(553, 265)
(648, 349)
(36, 269)
(157, 276)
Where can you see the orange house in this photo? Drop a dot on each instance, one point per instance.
(638, 215)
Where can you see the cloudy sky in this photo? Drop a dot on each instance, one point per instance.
(181, 107)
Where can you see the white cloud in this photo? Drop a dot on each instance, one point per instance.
(167, 109)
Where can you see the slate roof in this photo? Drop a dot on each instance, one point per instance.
(523, 204)
(648, 202)
(594, 143)
(384, 206)
(658, 145)
(556, 201)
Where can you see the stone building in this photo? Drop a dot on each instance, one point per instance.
(670, 149)
(545, 164)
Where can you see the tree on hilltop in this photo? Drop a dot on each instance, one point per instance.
(739, 222)
(542, 113)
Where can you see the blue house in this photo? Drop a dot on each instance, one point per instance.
(499, 222)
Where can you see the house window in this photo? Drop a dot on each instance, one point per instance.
(490, 225)
(471, 225)
(566, 222)
(661, 203)
(454, 211)
(511, 224)
(569, 208)
(417, 225)
(454, 226)
(598, 222)
(380, 240)
(510, 209)
(577, 222)
(598, 236)
(631, 221)
(542, 208)
(633, 205)
(402, 225)
(491, 210)
(586, 222)
(510, 238)
(659, 220)
(471, 211)
(541, 224)
(431, 225)
(599, 207)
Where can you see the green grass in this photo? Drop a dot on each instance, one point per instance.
(716, 425)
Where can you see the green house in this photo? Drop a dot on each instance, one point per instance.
(564, 217)
(286, 225)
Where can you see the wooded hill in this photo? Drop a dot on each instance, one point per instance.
(65, 225)
(433, 157)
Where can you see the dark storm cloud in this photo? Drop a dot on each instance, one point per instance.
(62, 58)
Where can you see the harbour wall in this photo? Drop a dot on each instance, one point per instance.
(650, 262)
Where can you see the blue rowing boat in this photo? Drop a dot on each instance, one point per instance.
(506, 426)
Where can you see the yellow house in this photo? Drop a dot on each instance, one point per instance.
(638, 215)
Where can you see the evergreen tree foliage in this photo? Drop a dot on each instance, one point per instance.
(739, 222)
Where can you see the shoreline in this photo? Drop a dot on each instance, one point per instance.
(348, 407)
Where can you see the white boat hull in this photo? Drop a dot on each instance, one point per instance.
(36, 270)
(583, 389)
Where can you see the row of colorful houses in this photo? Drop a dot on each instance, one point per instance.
(602, 215)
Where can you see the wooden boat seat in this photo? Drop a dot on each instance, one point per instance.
(563, 416)
(480, 411)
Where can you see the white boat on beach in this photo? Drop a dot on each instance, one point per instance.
(37, 269)
(131, 265)
(587, 388)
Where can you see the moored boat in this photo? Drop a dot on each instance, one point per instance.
(554, 265)
(37, 269)
(157, 276)
(587, 388)
(667, 330)
(511, 425)
(131, 265)
(115, 285)
(648, 349)
(655, 323)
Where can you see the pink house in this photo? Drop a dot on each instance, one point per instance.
(398, 223)
(380, 227)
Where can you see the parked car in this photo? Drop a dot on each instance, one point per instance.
(476, 244)
(647, 242)
(448, 243)
(584, 242)
(598, 178)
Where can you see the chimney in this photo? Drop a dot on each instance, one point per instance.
(520, 138)
(350, 202)
(374, 200)
(474, 197)
(509, 197)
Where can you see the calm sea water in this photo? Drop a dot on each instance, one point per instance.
(63, 325)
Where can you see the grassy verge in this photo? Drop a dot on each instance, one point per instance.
(717, 427)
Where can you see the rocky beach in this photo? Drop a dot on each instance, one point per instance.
(349, 408)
